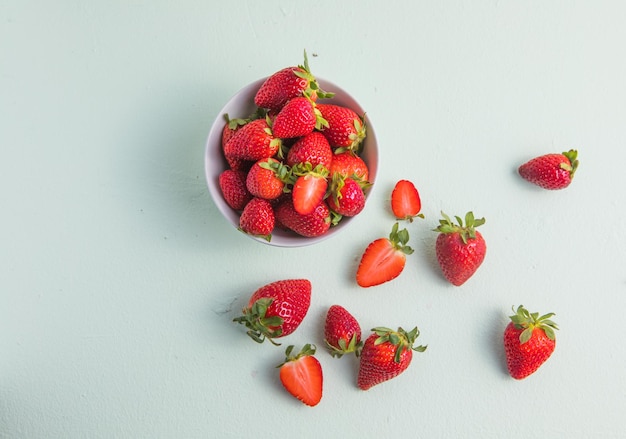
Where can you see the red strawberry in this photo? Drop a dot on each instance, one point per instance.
(276, 309)
(342, 332)
(253, 141)
(312, 148)
(529, 340)
(309, 188)
(287, 84)
(297, 118)
(349, 165)
(345, 129)
(302, 375)
(314, 224)
(405, 201)
(233, 186)
(257, 218)
(230, 127)
(384, 258)
(347, 197)
(460, 249)
(385, 355)
(266, 179)
(551, 171)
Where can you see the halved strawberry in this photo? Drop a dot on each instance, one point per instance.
(405, 201)
(384, 259)
(309, 188)
(302, 376)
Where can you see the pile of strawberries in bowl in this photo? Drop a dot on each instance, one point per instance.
(291, 159)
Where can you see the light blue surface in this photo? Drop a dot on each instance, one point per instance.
(119, 278)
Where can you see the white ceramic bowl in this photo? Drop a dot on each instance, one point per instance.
(241, 105)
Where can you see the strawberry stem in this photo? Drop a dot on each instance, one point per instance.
(523, 319)
(466, 231)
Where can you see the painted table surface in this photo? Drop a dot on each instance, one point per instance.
(119, 278)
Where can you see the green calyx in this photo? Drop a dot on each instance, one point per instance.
(281, 170)
(345, 348)
(307, 350)
(523, 319)
(466, 231)
(356, 138)
(260, 326)
(313, 88)
(572, 156)
(399, 239)
(401, 339)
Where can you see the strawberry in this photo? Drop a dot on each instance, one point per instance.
(309, 188)
(460, 249)
(312, 148)
(529, 340)
(266, 179)
(301, 375)
(287, 84)
(253, 141)
(342, 332)
(257, 218)
(297, 118)
(405, 201)
(233, 186)
(230, 127)
(551, 171)
(345, 130)
(347, 196)
(276, 309)
(384, 258)
(385, 355)
(314, 224)
(348, 164)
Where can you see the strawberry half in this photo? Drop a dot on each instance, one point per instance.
(405, 201)
(385, 355)
(460, 248)
(529, 341)
(301, 375)
(309, 188)
(342, 332)
(384, 258)
(551, 171)
(276, 309)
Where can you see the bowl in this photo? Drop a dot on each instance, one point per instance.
(241, 105)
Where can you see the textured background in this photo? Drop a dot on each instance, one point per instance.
(119, 278)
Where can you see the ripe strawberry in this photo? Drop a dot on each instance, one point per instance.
(350, 165)
(253, 141)
(314, 224)
(302, 375)
(287, 84)
(405, 201)
(551, 171)
(342, 332)
(233, 186)
(276, 309)
(460, 249)
(309, 188)
(385, 355)
(257, 219)
(529, 340)
(312, 148)
(230, 127)
(297, 118)
(266, 179)
(384, 258)
(345, 129)
(347, 197)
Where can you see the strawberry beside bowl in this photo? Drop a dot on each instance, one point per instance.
(242, 105)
